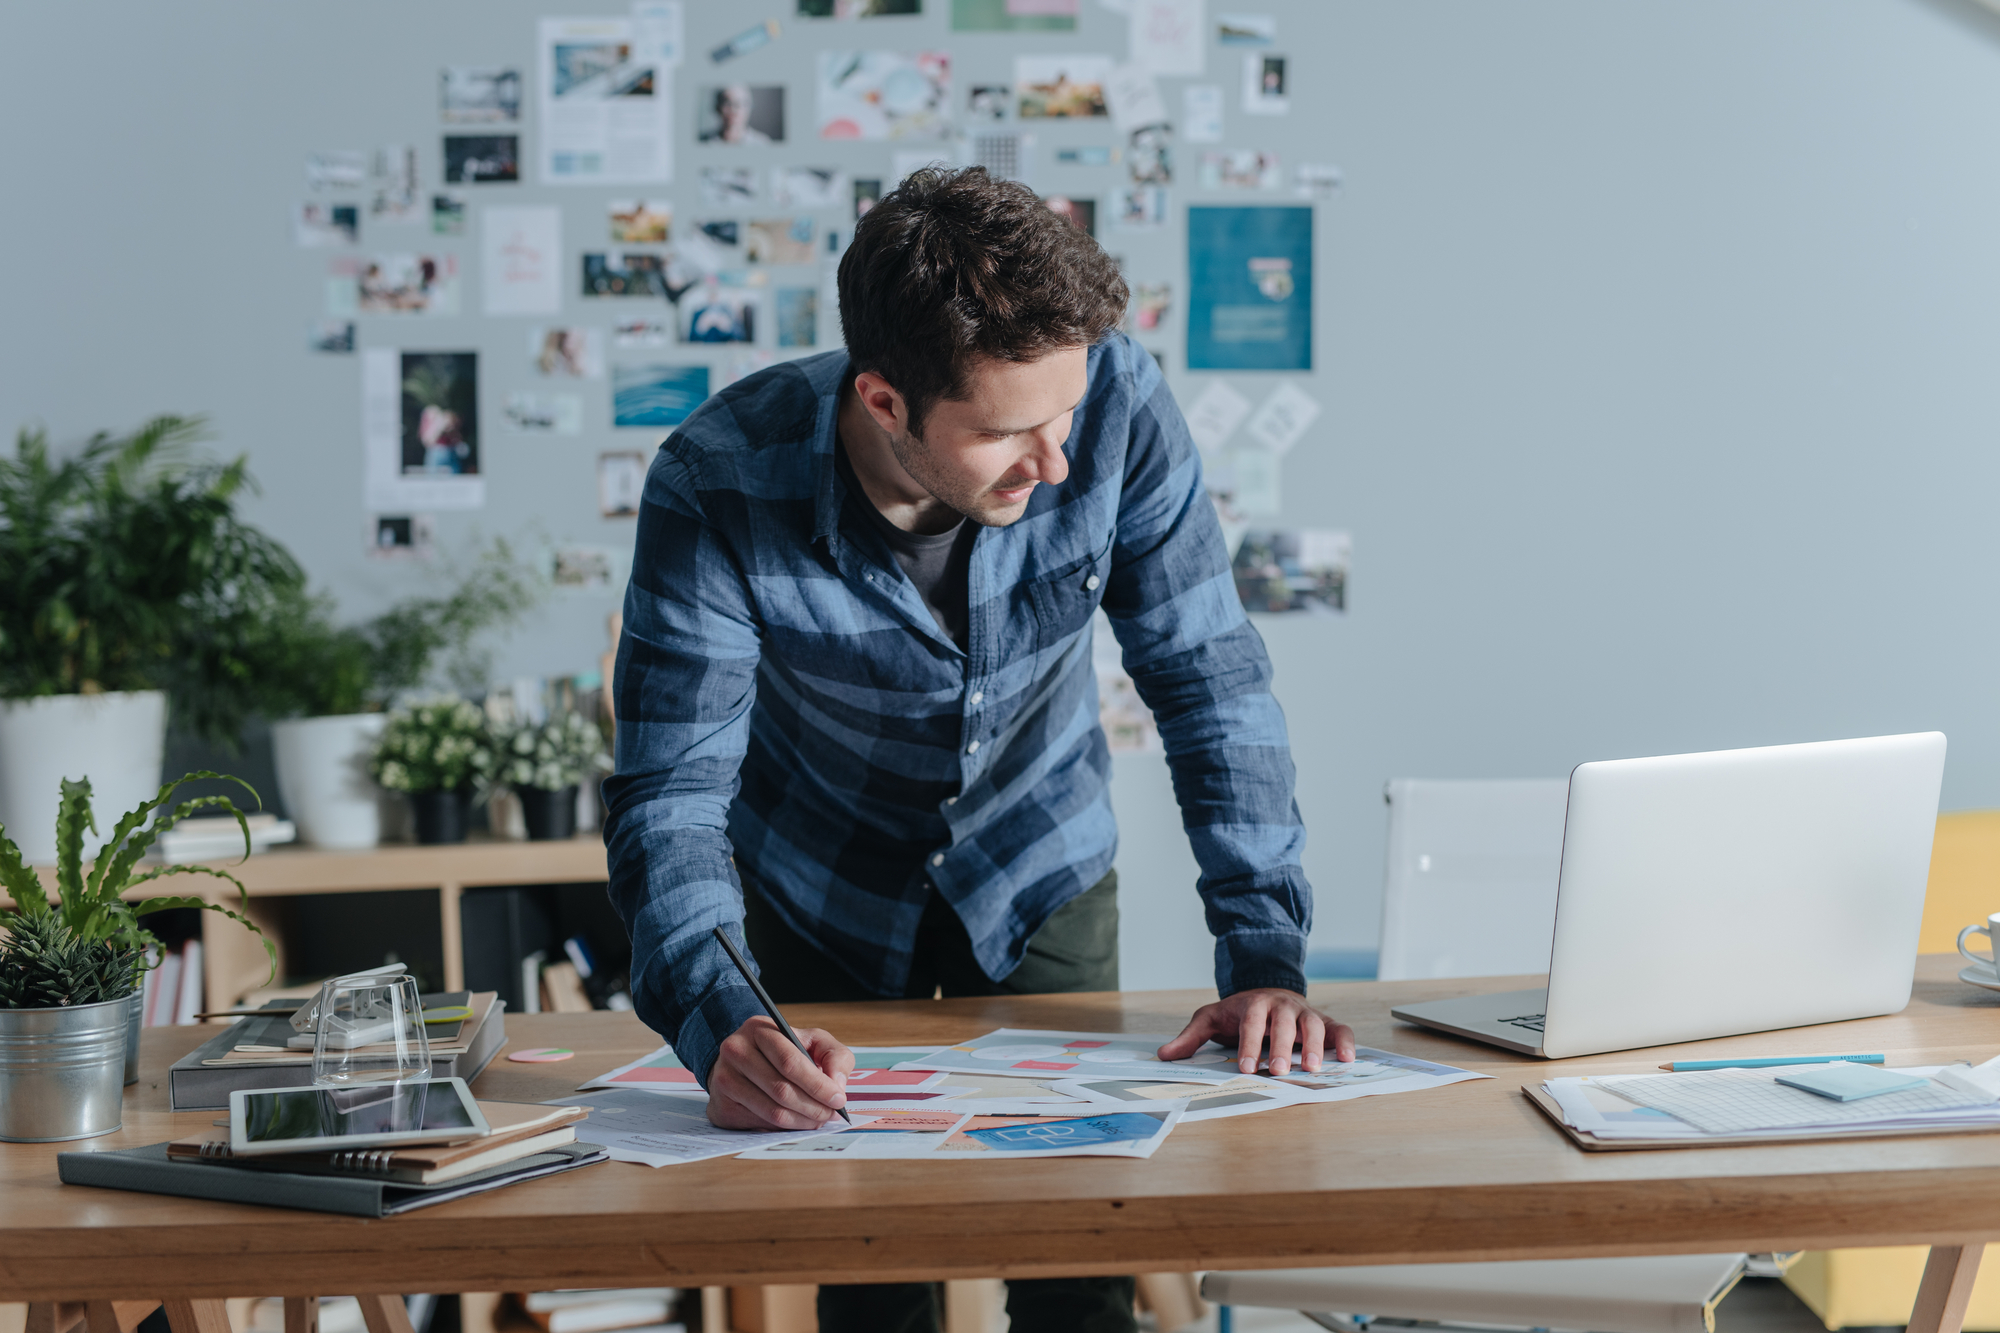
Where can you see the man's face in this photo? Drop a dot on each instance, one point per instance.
(985, 454)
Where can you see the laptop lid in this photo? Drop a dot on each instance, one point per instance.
(1704, 895)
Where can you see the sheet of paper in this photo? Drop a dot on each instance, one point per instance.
(1280, 420)
(1254, 474)
(1215, 414)
(1167, 36)
(995, 1129)
(1243, 1095)
(1025, 1052)
(653, 1130)
(1134, 97)
(875, 1071)
(520, 260)
(1738, 1101)
(1201, 113)
(657, 31)
(1372, 1074)
(399, 473)
(606, 103)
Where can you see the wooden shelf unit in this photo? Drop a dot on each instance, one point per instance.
(234, 963)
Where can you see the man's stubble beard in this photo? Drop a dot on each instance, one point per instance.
(915, 459)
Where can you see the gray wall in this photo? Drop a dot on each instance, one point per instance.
(1656, 339)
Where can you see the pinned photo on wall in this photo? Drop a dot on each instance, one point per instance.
(808, 187)
(448, 214)
(402, 285)
(625, 275)
(394, 536)
(752, 38)
(711, 246)
(528, 413)
(337, 169)
(1245, 29)
(1214, 416)
(330, 335)
(393, 178)
(315, 224)
(1315, 180)
(420, 431)
(640, 221)
(728, 187)
(1139, 208)
(1293, 569)
(713, 313)
(989, 101)
(1281, 420)
(1005, 156)
(1150, 305)
(1250, 300)
(746, 362)
(1201, 113)
(1133, 97)
(568, 353)
(481, 159)
(1241, 169)
(1168, 37)
(479, 95)
(1265, 92)
(738, 113)
(798, 316)
(858, 9)
(1064, 87)
(605, 101)
(867, 193)
(884, 95)
(584, 569)
(779, 241)
(1013, 15)
(1087, 155)
(621, 483)
(520, 258)
(1081, 212)
(628, 334)
(656, 395)
(1150, 160)
(1251, 475)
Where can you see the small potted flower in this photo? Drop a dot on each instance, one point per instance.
(544, 765)
(436, 750)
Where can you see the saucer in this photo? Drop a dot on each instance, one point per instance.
(1981, 977)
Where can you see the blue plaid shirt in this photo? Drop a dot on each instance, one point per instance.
(784, 697)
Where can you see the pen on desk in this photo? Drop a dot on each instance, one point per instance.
(764, 998)
(1770, 1062)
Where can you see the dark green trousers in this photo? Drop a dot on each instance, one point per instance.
(1075, 950)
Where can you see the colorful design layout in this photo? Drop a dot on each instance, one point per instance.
(1059, 1135)
(875, 1074)
(1029, 1053)
(1243, 1095)
(992, 1128)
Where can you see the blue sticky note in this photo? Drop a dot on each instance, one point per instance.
(1849, 1083)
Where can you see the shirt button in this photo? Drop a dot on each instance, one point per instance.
(977, 696)
(951, 800)
(1092, 582)
(972, 748)
(938, 859)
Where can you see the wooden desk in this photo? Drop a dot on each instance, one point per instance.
(233, 962)
(1465, 1172)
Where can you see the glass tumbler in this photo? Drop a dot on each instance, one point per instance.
(370, 1031)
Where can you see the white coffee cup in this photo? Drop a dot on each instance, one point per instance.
(1990, 928)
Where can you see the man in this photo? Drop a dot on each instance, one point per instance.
(856, 659)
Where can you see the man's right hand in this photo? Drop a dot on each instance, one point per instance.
(761, 1081)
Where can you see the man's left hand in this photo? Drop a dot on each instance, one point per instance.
(1246, 1018)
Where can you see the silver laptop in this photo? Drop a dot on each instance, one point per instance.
(1703, 895)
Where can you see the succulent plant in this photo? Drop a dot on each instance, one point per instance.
(46, 965)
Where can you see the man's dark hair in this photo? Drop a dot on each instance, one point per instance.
(955, 265)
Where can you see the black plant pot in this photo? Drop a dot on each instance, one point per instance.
(549, 814)
(440, 815)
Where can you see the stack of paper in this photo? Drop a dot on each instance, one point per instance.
(1731, 1104)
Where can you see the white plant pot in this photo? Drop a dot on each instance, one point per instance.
(116, 740)
(323, 776)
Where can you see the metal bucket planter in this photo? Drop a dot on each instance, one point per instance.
(62, 1071)
(135, 1021)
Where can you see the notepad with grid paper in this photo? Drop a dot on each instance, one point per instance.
(1740, 1101)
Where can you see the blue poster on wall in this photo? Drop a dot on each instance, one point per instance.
(1250, 288)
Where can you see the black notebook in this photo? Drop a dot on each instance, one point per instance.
(149, 1171)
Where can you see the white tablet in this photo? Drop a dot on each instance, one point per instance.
(321, 1119)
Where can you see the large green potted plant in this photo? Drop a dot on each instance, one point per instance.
(340, 677)
(70, 969)
(544, 764)
(439, 752)
(126, 580)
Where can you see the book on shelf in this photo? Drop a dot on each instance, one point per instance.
(519, 1130)
(546, 1302)
(605, 1315)
(254, 1053)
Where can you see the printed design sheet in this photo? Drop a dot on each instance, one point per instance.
(1000, 1129)
(1030, 1053)
(634, 1125)
(1243, 1095)
(1373, 1074)
(876, 1076)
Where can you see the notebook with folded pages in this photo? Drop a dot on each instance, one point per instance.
(519, 1130)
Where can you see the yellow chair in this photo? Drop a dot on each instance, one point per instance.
(1858, 1288)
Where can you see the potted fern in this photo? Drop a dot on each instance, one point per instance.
(70, 969)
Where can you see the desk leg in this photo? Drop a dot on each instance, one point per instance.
(1946, 1289)
(453, 932)
(301, 1314)
(383, 1314)
(116, 1316)
(198, 1317)
(54, 1317)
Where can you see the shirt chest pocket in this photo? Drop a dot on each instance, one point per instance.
(1064, 600)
